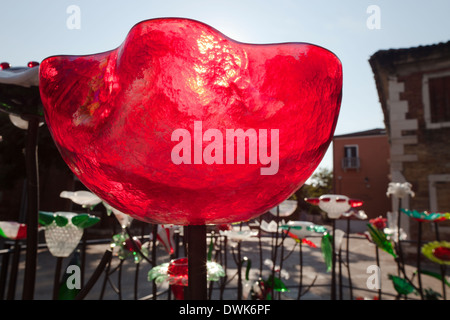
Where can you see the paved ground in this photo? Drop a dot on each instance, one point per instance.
(361, 257)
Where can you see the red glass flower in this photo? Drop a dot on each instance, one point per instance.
(183, 125)
(380, 223)
(178, 271)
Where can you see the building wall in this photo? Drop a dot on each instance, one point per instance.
(419, 147)
(432, 148)
(370, 181)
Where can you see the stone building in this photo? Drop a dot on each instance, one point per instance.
(413, 86)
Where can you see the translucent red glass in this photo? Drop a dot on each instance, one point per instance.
(4, 66)
(442, 253)
(32, 64)
(112, 116)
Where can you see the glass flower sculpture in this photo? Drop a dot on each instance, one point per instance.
(376, 229)
(284, 209)
(437, 251)
(165, 236)
(334, 205)
(123, 247)
(236, 235)
(85, 199)
(123, 219)
(63, 230)
(392, 230)
(425, 216)
(356, 214)
(182, 125)
(175, 273)
(300, 230)
(400, 189)
(269, 227)
(13, 230)
(326, 246)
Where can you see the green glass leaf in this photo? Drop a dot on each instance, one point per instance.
(61, 221)
(327, 250)
(278, 285)
(401, 285)
(210, 250)
(249, 266)
(45, 218)
(435, 275)
(381, 240)
(84, 220)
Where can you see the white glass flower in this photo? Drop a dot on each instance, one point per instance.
(284, 209)
(360, 214)
(400, 189)
(391, 230)
(63, 230)
(123, 218)
(269, 227)
(238, 235)
(334, 205)
(13, 230)
(84, 198)
(303, 229)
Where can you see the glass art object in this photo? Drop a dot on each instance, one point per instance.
(437, 251)
(355, 214)
(13, 230)
(123, 247)
(85, 199)
(401, 285)
(425, 216)
(392, 230)
(182, 125)
(334, 205)
(284, 209)
(400, 189)
(123, 219)
(236, 235)
(175, 273)
(377, 236)
(63, 230)
(165, 236)
(300, 230)
(271, 226)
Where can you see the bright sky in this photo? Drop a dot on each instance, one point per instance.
(34, 30)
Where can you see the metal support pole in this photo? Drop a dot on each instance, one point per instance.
(196, 247)
(32, 208)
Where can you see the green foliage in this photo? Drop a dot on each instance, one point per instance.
(321, 183)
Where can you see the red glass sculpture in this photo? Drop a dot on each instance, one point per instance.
(183, 125)
(178, 274)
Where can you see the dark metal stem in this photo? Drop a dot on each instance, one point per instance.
(32, 209)
(196, 247)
